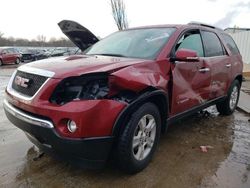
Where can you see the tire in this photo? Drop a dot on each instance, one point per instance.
(228, 106)
(136, 144)
(17, 61)
(1, 62)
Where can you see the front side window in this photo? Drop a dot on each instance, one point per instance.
(212, 44)
(136, 43)
(191, 40)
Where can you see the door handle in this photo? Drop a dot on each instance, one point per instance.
(204, 70)
(228, 65)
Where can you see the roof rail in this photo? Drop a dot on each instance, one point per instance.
(203, 24)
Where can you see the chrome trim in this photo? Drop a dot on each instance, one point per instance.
(37, 71)
(192, 58)
(204, 70)
(19, 95)
(25, 117)
(228, 65)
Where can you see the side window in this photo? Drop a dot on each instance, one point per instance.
(212, 44)
(191, 40)
(15, 51)
(230, 44)
(10, 51)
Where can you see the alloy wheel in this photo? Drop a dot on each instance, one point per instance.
(233, 98)
(144, 137)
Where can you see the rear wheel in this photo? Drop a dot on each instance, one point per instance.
(139, 139)
(17, 61)
(228, 106)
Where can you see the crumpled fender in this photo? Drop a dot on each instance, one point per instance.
(139, 77)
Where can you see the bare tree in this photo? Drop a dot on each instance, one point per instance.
(119, 14)
(41, 39)
(2, 39)
(1, 34)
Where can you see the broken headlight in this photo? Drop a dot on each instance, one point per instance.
(86, 87)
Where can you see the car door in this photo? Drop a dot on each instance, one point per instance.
(191, 79)
(12, 55)
(219, 62)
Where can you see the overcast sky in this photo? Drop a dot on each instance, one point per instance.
(29, 18)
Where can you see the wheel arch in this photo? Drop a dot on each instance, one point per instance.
(157, 97)
(239, 77)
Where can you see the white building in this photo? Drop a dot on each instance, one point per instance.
(241, 37)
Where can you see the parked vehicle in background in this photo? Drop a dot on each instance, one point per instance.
(9, 55)
(29, 55)
(124, 91)
(66, 51)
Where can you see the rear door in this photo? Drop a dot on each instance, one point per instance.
(191, 80)
(218, 61)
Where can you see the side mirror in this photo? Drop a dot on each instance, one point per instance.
(186, 55)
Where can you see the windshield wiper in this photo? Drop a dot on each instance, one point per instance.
(106, 54)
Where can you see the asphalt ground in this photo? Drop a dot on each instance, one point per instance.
(178, 161)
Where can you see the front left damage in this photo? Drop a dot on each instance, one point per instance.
(123, 90)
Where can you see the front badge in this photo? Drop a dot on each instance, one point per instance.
(20, 81)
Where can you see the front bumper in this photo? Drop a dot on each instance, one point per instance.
(86, 152)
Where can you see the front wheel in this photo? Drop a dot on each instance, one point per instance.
(139, 139)
(228, 106)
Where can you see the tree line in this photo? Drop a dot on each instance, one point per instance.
(40, 41)
(118, 13)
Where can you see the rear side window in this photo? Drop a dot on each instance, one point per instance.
(212, 44)
(230, 44)
(15, 50)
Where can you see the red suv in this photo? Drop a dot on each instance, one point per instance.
(123, 91)
(9, 55)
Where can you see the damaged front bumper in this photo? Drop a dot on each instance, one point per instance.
(85, 152)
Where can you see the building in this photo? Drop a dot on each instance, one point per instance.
(242, 38)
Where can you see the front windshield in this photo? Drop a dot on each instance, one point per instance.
(137, 43)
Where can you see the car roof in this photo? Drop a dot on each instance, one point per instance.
(5, 47)
(193, 25)
(156, 26)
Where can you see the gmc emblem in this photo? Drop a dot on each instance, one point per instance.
(23, 82)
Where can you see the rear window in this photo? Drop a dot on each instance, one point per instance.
(212, 44)
(230, 44)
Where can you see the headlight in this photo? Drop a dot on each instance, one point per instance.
(88, 87)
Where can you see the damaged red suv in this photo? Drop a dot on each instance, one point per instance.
(123, 91)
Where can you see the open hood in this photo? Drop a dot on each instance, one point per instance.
(78, 34)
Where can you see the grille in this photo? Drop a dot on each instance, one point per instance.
(34, 83)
